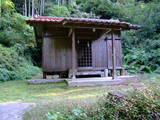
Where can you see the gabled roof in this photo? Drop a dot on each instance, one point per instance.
(84, 21)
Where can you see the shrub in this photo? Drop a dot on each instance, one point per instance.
(139, 105)
(14, 66)
(75, 114)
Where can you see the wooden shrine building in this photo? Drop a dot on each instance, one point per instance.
(80, 46)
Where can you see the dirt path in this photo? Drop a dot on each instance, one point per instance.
(13, 110)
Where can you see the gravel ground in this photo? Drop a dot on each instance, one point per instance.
(13, 110)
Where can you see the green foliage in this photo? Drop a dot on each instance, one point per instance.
(25, 72)
(13, 29)
(13, 66)
(56, 10)
(9, 58)
(103, 8)
(142, 104)
(6, 6)
(141, 48)
(16, 38)
(75, 114)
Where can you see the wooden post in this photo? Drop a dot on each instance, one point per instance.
(43, 38)
(113, 56)
(73, 54)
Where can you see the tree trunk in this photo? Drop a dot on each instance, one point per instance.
(25, 8)
(63, 2)
(29, 8)
(43, 7)
(1, 7)
(33, 9)
(58, 2)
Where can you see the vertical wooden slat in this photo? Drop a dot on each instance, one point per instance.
(73, 54)
(113, 56)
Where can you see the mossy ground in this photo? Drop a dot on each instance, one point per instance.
(58, 96)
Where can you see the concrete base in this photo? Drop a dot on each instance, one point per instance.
(94, 81)
(97, 81)
(41, 81)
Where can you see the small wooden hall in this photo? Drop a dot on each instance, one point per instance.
(74, 47)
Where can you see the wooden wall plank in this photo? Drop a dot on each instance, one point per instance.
(99, 52)
(118, 51)
(57, 54)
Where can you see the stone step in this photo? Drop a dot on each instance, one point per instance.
(108, 81)
(92, 81)
(89, 73)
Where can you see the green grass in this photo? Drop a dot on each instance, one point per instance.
(58, 96)
(21, 91)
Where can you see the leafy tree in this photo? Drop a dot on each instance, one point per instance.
(6, 6)
(16, 39)
(141, 48)
(103, 8)
(56, 10)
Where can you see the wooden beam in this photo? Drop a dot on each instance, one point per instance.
(73, 54)
(113, 56)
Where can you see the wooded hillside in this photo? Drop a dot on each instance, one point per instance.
(141, 48)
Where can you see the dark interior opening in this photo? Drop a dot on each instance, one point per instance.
(87, 76)
(84, 51)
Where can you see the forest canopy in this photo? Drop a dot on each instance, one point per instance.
(141, 48)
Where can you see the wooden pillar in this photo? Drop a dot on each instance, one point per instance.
(43, 46)
(73, 54)
(113, 57)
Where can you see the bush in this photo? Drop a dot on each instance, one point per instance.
(141, 48)
(13, 30)
(75, 114)
(16, 39)
(14, 66)
(139, 105)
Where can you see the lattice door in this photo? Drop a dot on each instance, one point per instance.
(84, 53)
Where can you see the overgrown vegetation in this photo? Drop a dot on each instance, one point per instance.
(14, 66)
(16, 43)
(140, 105)
(136, 107)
